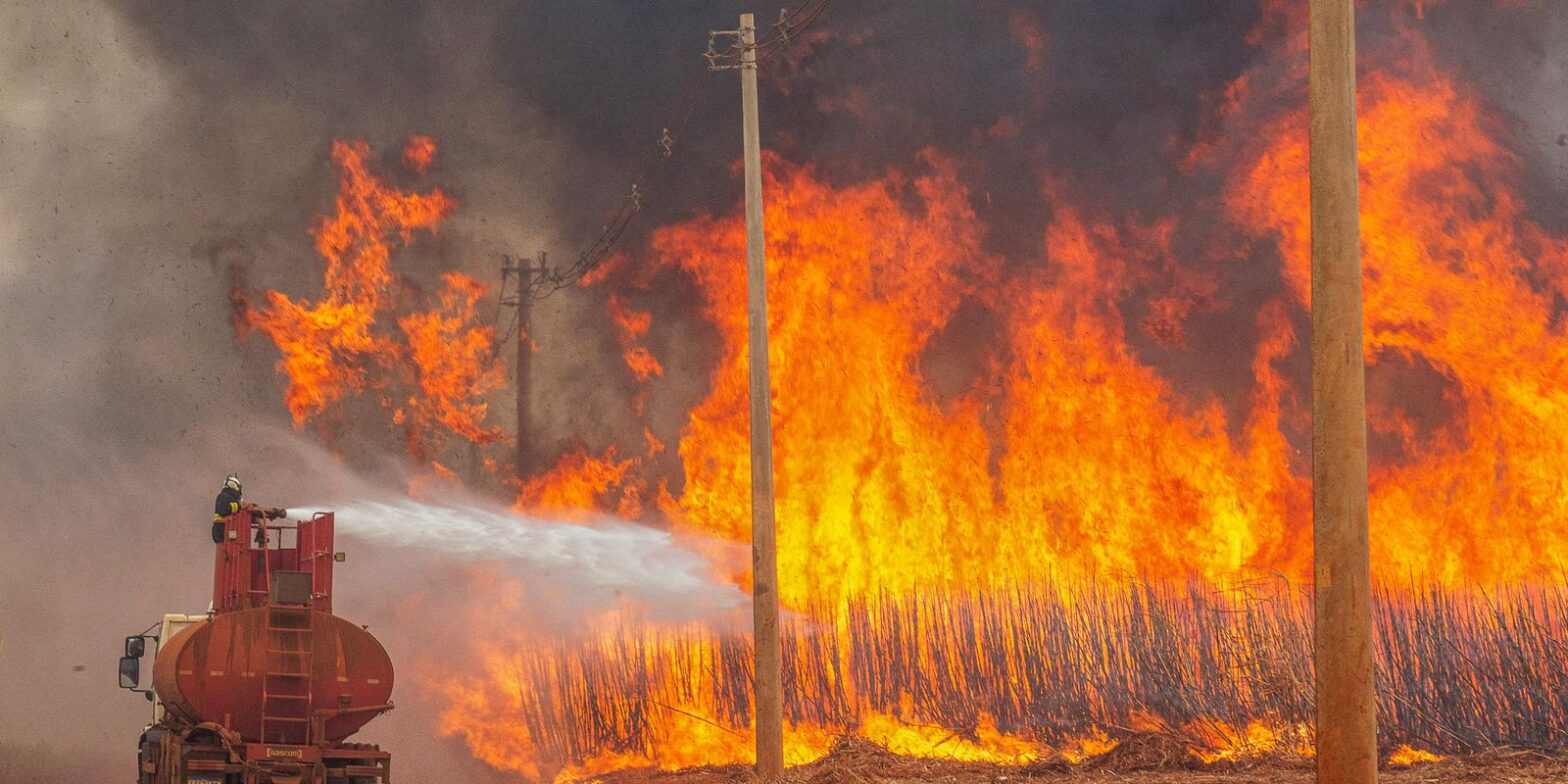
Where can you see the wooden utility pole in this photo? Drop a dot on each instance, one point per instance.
(1346, 710)
(768, 693)
(524, 270)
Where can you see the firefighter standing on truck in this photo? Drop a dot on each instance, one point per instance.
(229, 500)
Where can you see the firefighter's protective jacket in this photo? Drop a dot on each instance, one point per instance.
(228, 503)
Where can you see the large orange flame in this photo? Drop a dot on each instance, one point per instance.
(1084, 454)
(880, 485)
(1460, 283)
(1071, 459)
(1066, 459)
(433, 372)
(582, 482)
(885, 487)
(453, 361)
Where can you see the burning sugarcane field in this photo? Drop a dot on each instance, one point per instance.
(1164, 391)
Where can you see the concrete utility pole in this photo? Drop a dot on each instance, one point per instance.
(524, 270)
(768, 688)
(1346, 710)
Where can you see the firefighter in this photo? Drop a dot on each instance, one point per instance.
(229, 500)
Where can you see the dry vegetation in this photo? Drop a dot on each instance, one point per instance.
(1460, 672)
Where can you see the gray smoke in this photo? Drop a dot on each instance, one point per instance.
(146, 148)
(134, 169)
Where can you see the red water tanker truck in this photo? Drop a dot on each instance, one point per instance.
(265, 687)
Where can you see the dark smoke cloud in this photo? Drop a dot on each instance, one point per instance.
(138, 164)
(147, 149)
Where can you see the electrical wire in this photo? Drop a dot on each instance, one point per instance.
(552, 280)
(547, 281)
(779, 36)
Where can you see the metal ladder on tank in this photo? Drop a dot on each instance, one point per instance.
(285, 683)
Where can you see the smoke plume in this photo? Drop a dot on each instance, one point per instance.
(153, 153)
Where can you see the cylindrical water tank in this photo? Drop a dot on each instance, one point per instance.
(236, 671)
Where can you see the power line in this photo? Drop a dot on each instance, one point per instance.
(554, 279)
(792, 21)
(789, 26)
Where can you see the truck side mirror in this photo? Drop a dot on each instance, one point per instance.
(130, 672)
(135, 646)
